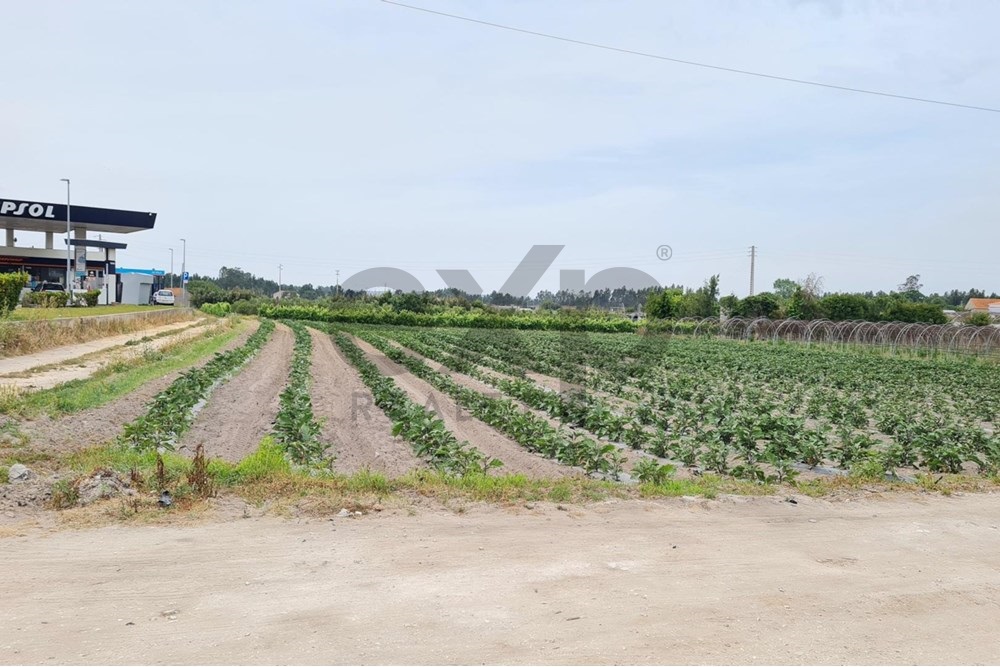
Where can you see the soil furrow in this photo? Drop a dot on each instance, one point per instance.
(102, 424)
(483, 437)
(469, 382)
(358, 433)
(240, 412)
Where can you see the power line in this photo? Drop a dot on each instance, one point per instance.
(692, 63)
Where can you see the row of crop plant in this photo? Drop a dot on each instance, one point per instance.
(523, 426)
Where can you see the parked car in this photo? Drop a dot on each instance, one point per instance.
(48, 287)
(163, 297)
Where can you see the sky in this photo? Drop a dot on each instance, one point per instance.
(352, 134)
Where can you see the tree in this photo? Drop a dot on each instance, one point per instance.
(840, 307)
(764, 304)
(812, 285)
(703, 302)
(664, 305)
(804, 306)
(784, 288)
(911, 284)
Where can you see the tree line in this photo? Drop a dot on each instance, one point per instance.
(801, 299)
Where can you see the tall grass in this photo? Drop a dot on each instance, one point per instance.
(25, 337)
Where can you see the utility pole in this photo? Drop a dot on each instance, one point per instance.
(753, 261)
(184, 286)
(280, 267)
(338, 281)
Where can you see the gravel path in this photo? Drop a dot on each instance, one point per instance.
(358, 433)
(241, 412)
(102, 424)
(485, 438)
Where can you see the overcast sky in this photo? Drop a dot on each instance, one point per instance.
(350, 134)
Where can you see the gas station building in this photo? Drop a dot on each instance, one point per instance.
(93, 261)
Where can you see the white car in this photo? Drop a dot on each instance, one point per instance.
(163, 297)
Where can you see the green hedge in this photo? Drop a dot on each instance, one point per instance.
(218, 309)
(46, 299)
(11, 285)
(474, 319)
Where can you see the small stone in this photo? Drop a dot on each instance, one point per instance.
(18, 473)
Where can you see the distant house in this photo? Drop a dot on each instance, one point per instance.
(283, 294)
(983, 305)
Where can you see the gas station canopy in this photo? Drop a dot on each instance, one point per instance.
(30, 216)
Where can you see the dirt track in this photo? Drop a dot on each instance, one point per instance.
(358, 432)
(99, 425)
(906, 580)
(485, 438)
(240, 412)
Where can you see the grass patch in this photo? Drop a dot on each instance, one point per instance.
(27, 314)
(266, 476)
(4, 474)
(118, 378)
(45, 332)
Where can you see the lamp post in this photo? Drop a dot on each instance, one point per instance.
(280, 267)
(171, 268)
(69, 248)
(183, 272)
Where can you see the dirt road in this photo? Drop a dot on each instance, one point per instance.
(905, 580)
(13, 366)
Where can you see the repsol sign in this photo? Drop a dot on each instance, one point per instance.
(27, 209)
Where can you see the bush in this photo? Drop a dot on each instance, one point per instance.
(46, 299)
(218, 309)
(452, 317)
(91, 296)
(904, 311)
(11, 285)
(247, 307)
(979, 320)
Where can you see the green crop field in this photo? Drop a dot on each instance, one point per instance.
(754, 410)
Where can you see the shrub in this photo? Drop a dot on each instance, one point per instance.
(218, 309)
(979, 320)
(46, 299)
(247, 306)
(269, 460)
(91, 296)
(11, 285)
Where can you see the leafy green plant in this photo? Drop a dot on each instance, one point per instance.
(90, 297)
(295, 427)
(427, 433)
(65, 494)
(11, 285)
(170, 413)
(648, 471)
(220, 309)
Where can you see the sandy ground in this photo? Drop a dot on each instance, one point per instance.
(754, 581)
(60, 355)
(77, 368)
(358, 432)
(483, 437)
(99, 425)
(241, 412)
